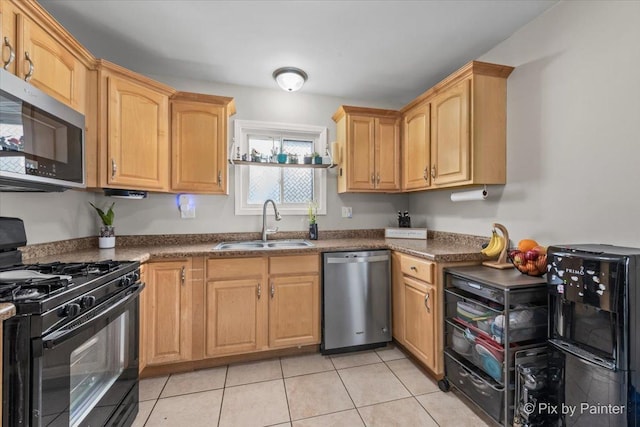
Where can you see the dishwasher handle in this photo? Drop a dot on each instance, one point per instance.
(355, 259)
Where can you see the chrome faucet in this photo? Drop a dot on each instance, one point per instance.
(266, 231)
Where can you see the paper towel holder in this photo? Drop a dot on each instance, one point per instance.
(465, 196)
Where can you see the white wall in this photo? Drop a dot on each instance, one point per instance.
(573, 141)
(49, 217)
(59, 216)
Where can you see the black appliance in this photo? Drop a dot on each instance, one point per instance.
(41, 139)
(594, 334)
(70, 355)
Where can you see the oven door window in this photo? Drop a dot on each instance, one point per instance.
(87, 369)
(95, 365)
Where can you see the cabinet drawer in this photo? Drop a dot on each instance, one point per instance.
(294, 264)
(416, 267)
(232, 268)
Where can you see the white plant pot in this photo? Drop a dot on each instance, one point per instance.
(106, 242)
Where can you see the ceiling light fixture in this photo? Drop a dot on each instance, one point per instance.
(290, 79)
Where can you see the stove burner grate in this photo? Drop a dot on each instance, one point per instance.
(77, 268)
(31, 288)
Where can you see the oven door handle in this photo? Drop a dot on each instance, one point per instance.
(57, 337)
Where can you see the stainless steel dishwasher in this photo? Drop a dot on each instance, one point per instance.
(356, 311)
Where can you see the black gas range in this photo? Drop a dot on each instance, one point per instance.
(70, 355)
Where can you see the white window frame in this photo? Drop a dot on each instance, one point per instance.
(244, 128)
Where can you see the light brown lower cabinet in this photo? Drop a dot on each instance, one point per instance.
(416, 308)
(235, 296)
(419, 312)
(168, 312)
(142, 312)
(241, 305)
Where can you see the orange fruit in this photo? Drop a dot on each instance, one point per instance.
(526, 245)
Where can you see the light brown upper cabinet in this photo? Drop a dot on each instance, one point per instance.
(416, 156)
(133, 119)
(36, 48)
(199, 142)
(369, 141)
(465, 131)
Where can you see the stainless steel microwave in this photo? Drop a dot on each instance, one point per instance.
(41, 140)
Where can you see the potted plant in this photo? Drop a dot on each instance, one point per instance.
(313, 226)
(282, 158)
(317, 160)
(107, 238)
(308, 159)
(293, 158)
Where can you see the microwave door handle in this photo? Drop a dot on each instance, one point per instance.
(56, 338)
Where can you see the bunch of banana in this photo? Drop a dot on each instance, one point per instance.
(495, 246)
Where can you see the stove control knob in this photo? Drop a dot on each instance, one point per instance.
(136, 276)
(72, 309)
(88, 301)
(125, 281)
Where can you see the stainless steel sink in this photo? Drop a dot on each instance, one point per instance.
(260, 245)
(289, 244)
(239, 245)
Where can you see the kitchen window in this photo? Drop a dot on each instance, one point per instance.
(291, 188)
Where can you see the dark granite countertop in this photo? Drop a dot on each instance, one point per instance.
(443, 248)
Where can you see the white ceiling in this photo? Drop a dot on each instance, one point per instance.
(375, 51)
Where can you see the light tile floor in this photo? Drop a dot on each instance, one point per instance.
(373, 388)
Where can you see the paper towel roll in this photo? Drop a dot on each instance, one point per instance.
(465, 196)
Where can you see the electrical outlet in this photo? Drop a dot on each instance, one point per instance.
(347, 212)
(188, 212)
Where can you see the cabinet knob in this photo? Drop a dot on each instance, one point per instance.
(413, 267)
(12, 53)
(29, 74)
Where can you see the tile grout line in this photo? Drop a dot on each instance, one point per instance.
(155, 401)
(286, 396)
(224, 388)
(410, 392)
(349, 394)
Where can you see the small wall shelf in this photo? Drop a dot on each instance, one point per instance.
(280, 165)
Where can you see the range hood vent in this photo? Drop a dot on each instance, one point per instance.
(125, 194)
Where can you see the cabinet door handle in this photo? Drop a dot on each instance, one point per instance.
(12, 53)
(273, 290)
(413, 267)
(114, 168)
(219, 178)
(183, 274)
(373, 178)
(378, 179)
(433, 171)
(426, 303)
(425, 175)
(259, 291)
(28, 76)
